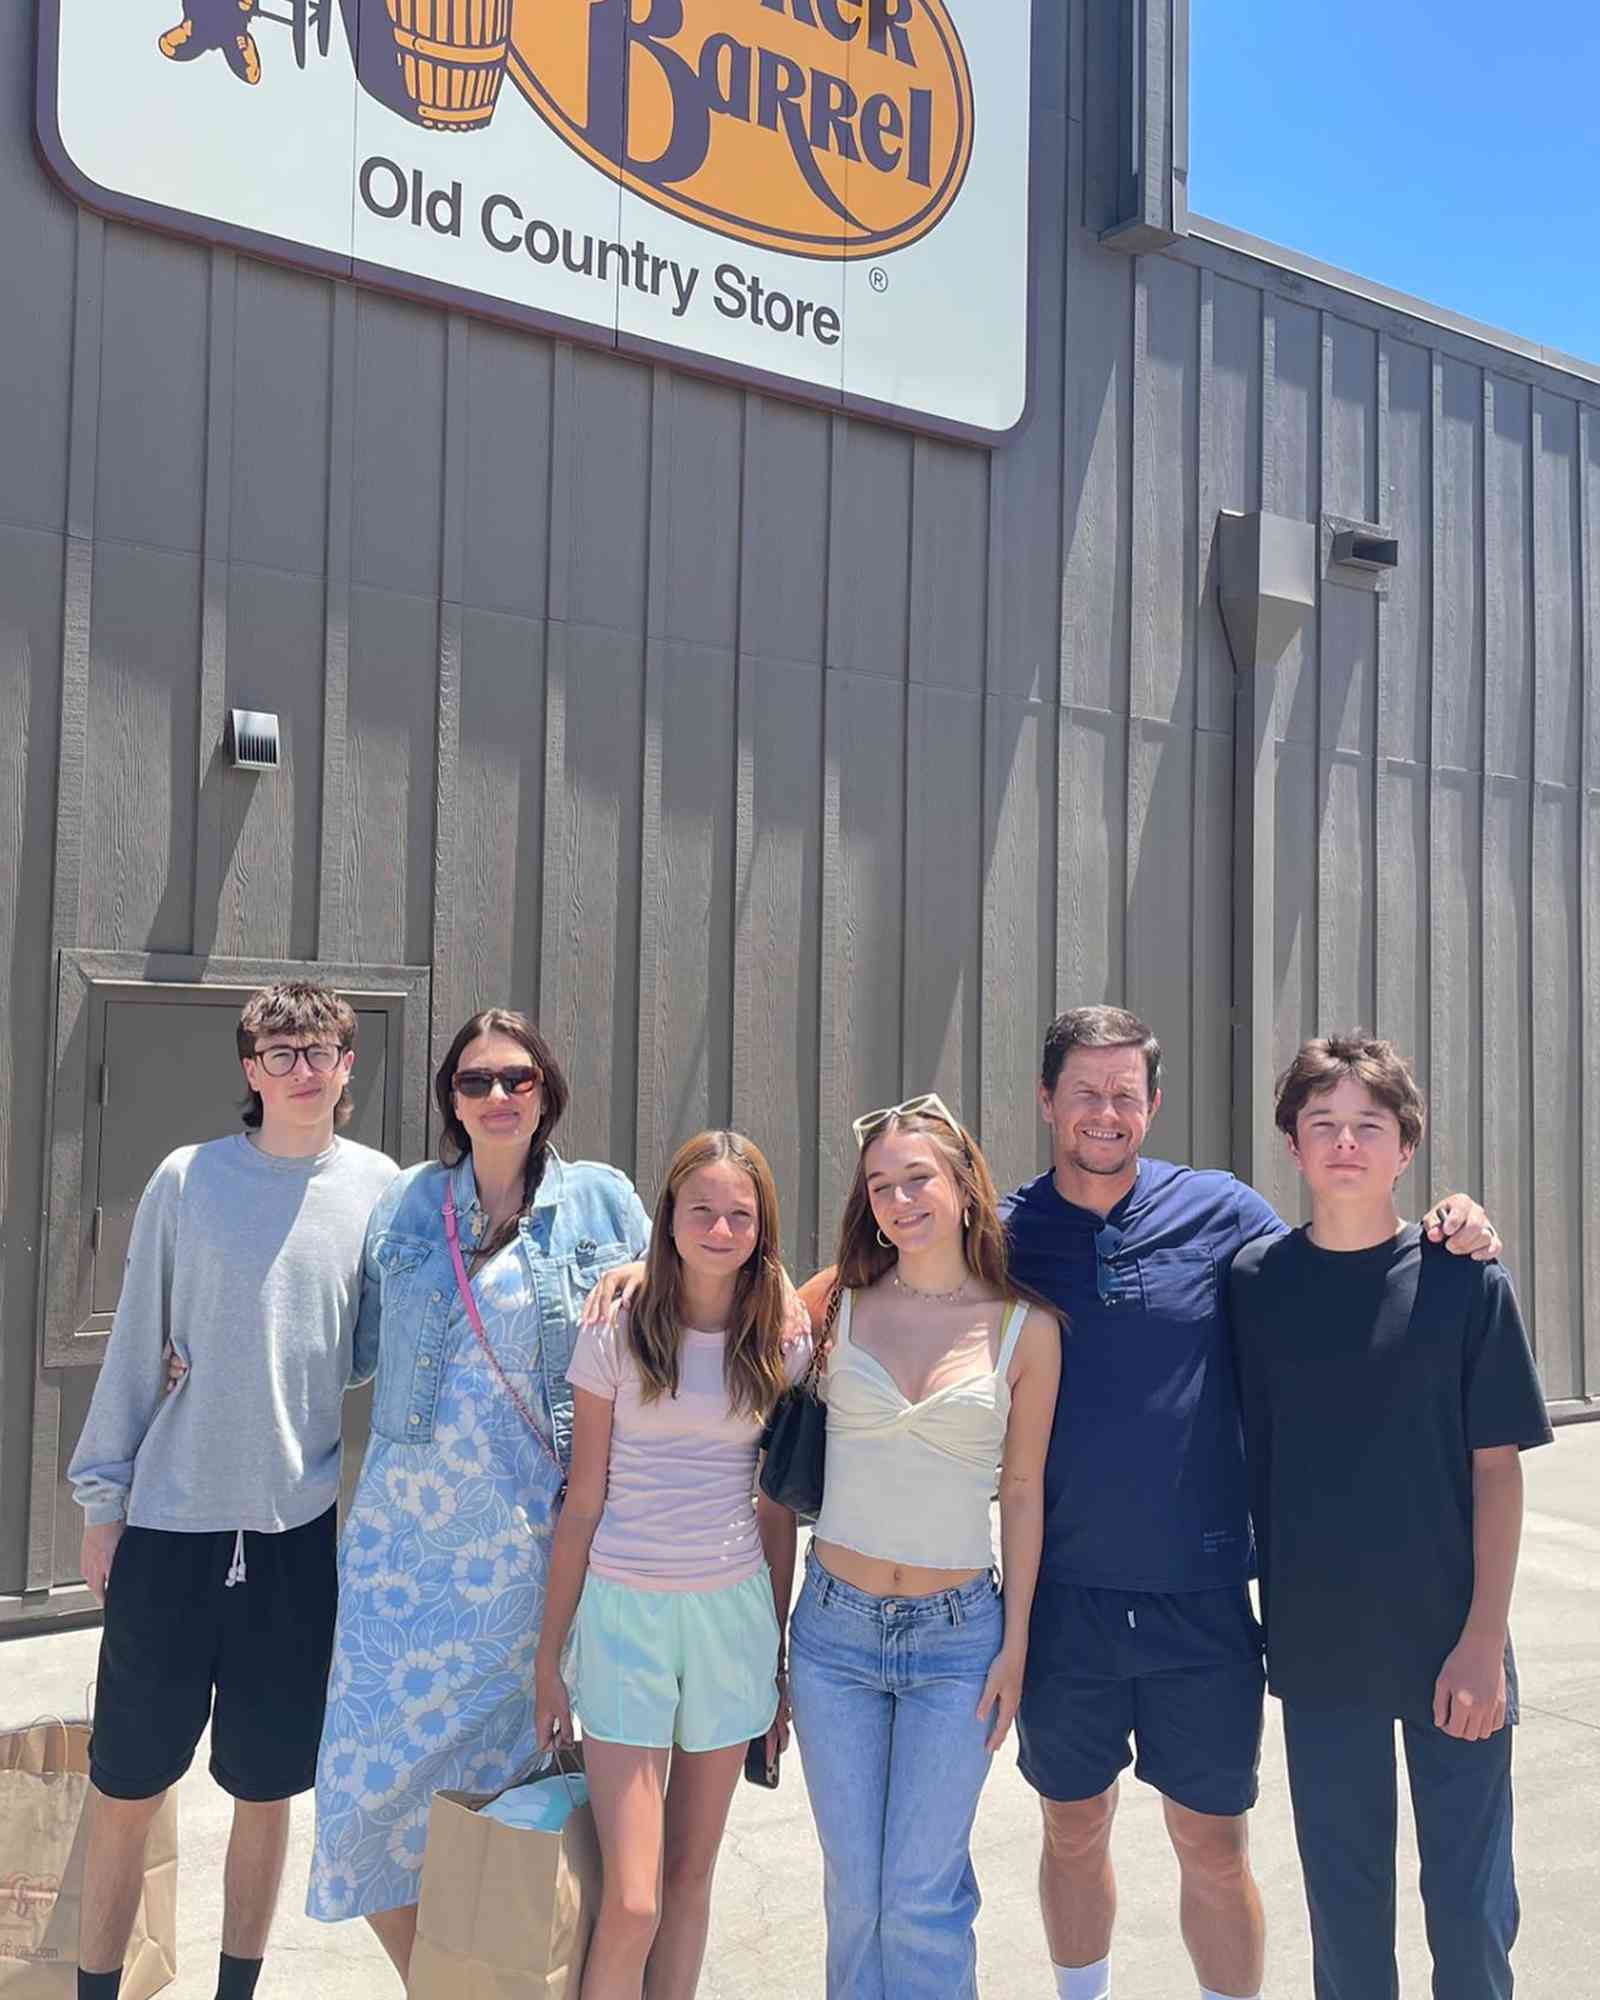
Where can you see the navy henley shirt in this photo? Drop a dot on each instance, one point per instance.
(1145, 1486)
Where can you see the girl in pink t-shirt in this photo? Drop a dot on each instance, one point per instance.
(672, 1574)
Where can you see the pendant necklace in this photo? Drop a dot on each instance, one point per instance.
(933, 1298)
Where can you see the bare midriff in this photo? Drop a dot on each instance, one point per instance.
(880, 1578)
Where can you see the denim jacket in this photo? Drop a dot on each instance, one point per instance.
(584, 1219)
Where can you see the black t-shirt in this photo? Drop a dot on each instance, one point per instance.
(1369, 1378)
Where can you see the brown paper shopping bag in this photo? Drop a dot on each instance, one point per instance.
(505, 1913)
(45, 1803)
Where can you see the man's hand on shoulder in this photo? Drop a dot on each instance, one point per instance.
(1463, 1227)
(99, 1553)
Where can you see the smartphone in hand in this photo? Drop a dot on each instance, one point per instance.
(758, 1770)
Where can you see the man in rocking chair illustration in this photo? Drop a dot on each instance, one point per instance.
(216, 24)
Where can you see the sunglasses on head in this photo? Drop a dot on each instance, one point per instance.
(929, 1105)
(515, 1082)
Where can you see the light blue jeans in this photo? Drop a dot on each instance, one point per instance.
(885, 1693)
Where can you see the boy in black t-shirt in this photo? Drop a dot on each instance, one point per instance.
(1388, 1389)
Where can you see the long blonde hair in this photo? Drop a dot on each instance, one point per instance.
(753, 1367)
(862, 1259)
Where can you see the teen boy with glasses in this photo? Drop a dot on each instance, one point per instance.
(211, 1513)
(1388, 1394)
(1142, 1626)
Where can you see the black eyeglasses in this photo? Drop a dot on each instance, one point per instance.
(1112, 1285)
(518, 1082)
(321, 1058)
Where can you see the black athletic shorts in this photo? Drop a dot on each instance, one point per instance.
(1177, 1677)
(183, 1647)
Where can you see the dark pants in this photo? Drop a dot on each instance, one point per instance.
(1342, 1783)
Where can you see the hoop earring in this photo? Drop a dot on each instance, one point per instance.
(884, 1241)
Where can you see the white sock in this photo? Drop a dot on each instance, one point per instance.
(1083, 1982)
(1207, 1994)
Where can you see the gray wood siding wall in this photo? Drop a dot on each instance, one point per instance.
(784, 763)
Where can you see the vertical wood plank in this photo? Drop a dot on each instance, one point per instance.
(88, 306)
(686, 820)
(1021, 795)
(333, 928)
(777, 1048)
(1081, 753)
(278, 479)
(1210, 1053)
(1096, 581)
(1508, 1162)
(1507, 888)
(447, 1001)
(686, 901)
(1556, 998)
(499, 869)
(32, 568)
(1292, 428)
(1091, 872)
(78, 590)
(1211, 1143)
(1402, 759)
(943, 926)
(216, 549)
(1161, 916)
(864, 796)
(1455, 782)
(271, 822)
(1255, 1154)
(652, 1124)
(589, 977)
(150, 469)
(1034, 514)
(949, 585)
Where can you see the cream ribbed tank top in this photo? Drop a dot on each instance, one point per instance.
(911, 1482)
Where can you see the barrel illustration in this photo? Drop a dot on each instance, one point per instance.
(452, 58)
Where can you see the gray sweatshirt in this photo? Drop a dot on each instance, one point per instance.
(250, 1266)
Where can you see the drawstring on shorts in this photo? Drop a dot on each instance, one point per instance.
(236, 1569)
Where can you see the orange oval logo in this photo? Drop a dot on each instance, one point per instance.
(825, 128)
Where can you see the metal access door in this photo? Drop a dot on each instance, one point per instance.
(146, 1062)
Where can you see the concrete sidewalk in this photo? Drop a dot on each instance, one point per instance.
(767, 1927)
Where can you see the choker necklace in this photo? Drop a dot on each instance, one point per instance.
(933, 1298)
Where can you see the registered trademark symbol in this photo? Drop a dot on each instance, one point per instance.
(878, 278)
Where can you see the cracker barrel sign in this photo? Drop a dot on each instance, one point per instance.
(827, 196)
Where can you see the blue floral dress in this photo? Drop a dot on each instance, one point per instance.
(442, 1574)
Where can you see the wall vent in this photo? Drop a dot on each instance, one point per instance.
(1366, 549)
(253, 740)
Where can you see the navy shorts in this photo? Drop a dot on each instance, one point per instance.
(182, 1647)
(1177, 1677)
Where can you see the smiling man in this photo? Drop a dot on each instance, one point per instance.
(210, 1514)
(1143, 1631)
(1388, 1393)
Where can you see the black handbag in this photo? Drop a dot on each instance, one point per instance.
(795, 1442)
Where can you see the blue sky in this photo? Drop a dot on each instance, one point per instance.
(1450, 148)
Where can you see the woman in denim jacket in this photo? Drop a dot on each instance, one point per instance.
(445, 1555)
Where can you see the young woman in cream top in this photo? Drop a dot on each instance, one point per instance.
(906, 1656)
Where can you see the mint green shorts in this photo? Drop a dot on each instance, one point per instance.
(695, 1668)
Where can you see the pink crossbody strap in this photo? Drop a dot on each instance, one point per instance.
(475, 1321)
